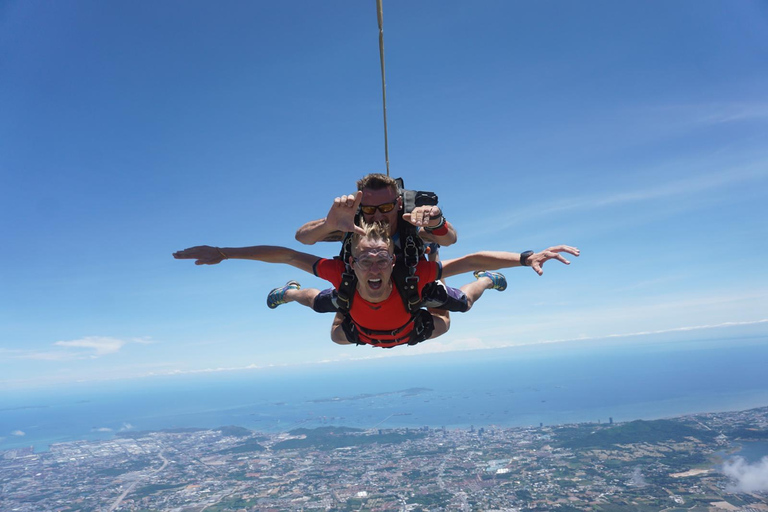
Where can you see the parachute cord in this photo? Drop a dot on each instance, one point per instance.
(383, 80)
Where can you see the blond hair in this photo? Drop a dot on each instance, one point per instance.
(374, 231)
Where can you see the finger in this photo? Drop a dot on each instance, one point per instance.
(571, 250)
(408, 217)
(358, 199)
(357, 229)
(565, 248)
(558, 257)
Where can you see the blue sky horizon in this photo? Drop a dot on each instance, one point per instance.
(637, 132)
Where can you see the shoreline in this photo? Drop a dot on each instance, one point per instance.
(106, 437)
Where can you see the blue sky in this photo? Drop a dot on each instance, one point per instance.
(637, 131)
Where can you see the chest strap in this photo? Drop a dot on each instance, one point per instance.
(423, 326)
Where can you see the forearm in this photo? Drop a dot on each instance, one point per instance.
(265, 253)
(446, 239)
(316, 231)
(208, 255)
(337, 331)
(271, 254)
(484, 260)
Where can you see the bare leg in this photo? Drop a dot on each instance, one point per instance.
(475, 289)
(305, 296)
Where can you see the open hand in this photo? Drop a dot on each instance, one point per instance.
(537, 260)
(341, 216)
(204, 254)
(422, 215)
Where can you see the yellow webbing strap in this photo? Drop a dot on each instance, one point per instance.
(383, 79)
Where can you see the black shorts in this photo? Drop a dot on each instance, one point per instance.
(439, 296)
(326, 301)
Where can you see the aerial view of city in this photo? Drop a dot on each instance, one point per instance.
(679, 464)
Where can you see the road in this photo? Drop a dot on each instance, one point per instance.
(128, 489)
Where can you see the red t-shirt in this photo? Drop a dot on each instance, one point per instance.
(387, 315)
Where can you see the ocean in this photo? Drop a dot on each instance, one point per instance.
(573, 382)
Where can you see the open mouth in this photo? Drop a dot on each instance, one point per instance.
(374, 284)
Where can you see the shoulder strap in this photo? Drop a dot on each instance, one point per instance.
(346, 292)
(407, 283)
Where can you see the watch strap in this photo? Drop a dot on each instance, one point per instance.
(524, 258)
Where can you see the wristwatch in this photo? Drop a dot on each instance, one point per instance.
(440, 224)
(524, 258)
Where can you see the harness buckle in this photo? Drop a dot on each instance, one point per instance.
(410, 252)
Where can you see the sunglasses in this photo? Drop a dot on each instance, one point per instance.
(383, 208)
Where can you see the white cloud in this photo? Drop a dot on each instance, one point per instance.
(99, 344)
(102, 429)
(681, 329)
(144, 340)
(102, 345)
(747, 477)
(18, 433)
(88, 347)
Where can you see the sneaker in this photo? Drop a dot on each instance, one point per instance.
(499, 281)
(277, 296)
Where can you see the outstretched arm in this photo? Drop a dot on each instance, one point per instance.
(340, 219)
(495, 260)
(207, 255)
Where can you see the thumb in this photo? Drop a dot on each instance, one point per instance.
(407, 217)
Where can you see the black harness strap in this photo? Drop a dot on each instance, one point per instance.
(346, 292)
